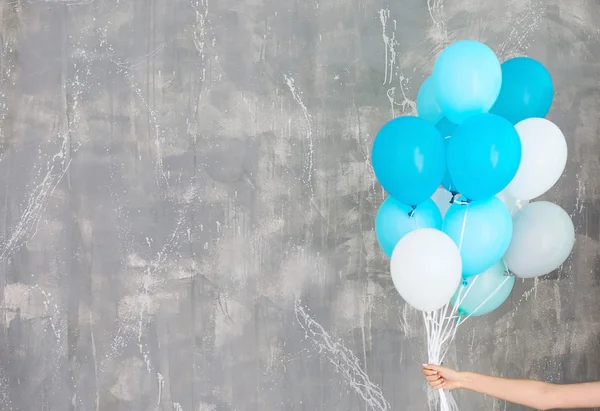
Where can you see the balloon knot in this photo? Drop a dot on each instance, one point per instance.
(461, 201)
(411, 213)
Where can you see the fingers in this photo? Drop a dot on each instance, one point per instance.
(437, 384)
(426, 372)
(433, 377)
(434, 380)
(433, 367)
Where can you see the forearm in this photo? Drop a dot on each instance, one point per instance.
(531, 393)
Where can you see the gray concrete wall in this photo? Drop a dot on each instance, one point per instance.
(187, 203)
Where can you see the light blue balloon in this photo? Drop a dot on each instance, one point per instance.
(467, 78)
(486, 291)
(409, 159)
(527, 90)
(394, 220)
(482, 231)
(483, 156)
(427, 106)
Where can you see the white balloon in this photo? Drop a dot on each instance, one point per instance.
(510, 202)
(543, 237)
(442, 198)
(543, 158)
(426, 268)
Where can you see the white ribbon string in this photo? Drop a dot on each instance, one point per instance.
(441, 326)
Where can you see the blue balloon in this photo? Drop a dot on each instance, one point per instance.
(447, 180)
(527, 90)
(467, 78)
(427, 106)
(483, 156)
(486, 291)
(394, 220)
(445, 127)
(482, 230)
(409, 159)
(448, 184)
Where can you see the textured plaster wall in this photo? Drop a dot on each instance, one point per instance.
(186, 203)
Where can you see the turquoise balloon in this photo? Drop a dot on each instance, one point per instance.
(427, 106)
(527, 90)
(483, 156)
(445, 127)
(448, 184)
(482, 230)
(467, 78)
(487, 291)
(447, 180)
(409, 159)
(394, 220)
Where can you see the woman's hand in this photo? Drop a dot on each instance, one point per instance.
(442, 377)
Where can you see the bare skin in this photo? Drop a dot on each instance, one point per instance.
(530, 393)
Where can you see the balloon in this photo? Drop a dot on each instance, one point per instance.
(482, 231)
(527, 90)
(394, 220)
(483, 156)
(447, 180)
(408, 159)
(467, 78)
(484, 292)
(510, 202)
(543, 160)
(442, 199)
(542, 240)
(426, 268)
(427, 106)
(448, 184)
(445, 127)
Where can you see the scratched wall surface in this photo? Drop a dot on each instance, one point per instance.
(187, 203)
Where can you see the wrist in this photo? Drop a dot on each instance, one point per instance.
(465, 380)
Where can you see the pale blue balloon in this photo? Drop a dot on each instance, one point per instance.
(409, 159)
(394, 220)
(427, 107)
(482, 230)
(467, 79)
(486, 291)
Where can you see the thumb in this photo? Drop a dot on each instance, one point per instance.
(434, 367)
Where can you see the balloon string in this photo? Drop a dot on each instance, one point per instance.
(487, 299)
(441, 326)
(462, 229)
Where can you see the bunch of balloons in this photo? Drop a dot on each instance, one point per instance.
(482, 136)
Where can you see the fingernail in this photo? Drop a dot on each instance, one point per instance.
(435, 372)
(424, 365)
